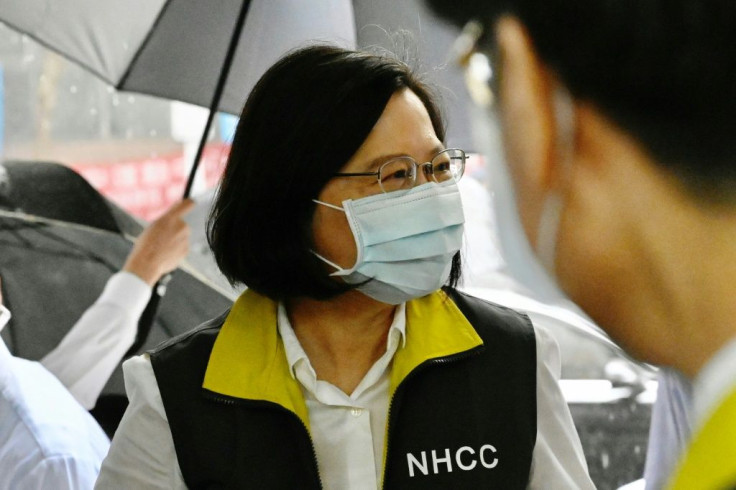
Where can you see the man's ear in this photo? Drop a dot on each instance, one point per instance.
(526, 101)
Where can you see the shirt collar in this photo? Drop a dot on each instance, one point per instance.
(5, 355)
(713, 382)
(295, 353)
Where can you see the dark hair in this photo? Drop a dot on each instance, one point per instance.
(302, 122)
(663, 70)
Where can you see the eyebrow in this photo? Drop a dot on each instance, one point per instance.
(377, 162)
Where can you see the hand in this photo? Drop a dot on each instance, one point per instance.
(162, 245)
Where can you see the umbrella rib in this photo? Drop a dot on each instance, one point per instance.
(85, 252)
(48, 46)
(227, 63)
(142, 45)
(40, 229)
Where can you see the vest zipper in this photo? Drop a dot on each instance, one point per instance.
(441, 360)
(235, 401)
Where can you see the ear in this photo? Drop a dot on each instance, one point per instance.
(526, 101)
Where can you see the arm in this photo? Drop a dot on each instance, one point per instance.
(558, 461)
(61, 473)
(89, 353)
(142, 453)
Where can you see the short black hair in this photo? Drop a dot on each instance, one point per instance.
(303, 121)
(663, 70)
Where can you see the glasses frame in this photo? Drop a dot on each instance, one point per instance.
(425, 167)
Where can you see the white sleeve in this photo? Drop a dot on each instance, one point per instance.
(61, 473)
(142, 453)
(88, 354)
(558, 461)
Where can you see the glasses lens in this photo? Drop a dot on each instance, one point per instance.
(397, 174)
(448, 165)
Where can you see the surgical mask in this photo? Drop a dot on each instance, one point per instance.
(548, 228)
(405, 241)
(4, 317)
(528, 267)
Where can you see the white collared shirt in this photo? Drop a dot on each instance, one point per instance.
(714, 382)
(347, 431)
(47, 440)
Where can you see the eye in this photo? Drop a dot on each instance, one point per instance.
(442, 166)
(399, 173)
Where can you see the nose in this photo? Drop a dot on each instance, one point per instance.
(424, 173)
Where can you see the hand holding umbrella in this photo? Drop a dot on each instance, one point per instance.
(162, 246)
(157, 252)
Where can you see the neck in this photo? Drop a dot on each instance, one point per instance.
(672, 282)
(343, 337)
(695, 271)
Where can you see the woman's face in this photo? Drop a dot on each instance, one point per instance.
(404, 129)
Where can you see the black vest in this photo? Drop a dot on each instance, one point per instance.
(467, 421)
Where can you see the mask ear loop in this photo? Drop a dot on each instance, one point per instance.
(549, 221)
(317, 201)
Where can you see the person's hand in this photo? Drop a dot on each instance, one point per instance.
(162, 245)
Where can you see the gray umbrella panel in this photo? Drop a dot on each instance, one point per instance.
(53, 271)
(175, 48)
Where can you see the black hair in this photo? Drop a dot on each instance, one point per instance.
(302, 122)
(663, 70)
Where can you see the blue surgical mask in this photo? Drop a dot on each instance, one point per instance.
(405, 241)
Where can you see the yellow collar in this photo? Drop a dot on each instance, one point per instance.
(248, 360)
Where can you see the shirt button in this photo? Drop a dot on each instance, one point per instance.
(357, 412)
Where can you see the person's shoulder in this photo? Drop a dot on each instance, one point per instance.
(487, 316)
(203, 333)
(45, 421)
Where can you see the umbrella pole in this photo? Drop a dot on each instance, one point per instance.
(224, 72)
(149, 313)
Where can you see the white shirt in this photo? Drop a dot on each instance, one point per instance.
(89, 353)
(715, 381)
(47, 440)
(143, 455)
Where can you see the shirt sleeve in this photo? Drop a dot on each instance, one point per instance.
(142, 453)
(670, 427)
(558, 461)
(61, 473)
(89, 353)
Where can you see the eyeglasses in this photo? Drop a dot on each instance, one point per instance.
(478, 67)
(401, 173)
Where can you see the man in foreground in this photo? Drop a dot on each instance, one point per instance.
(618, 122)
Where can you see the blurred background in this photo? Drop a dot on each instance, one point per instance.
(136, 150)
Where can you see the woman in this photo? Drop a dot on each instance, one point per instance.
(344, 365)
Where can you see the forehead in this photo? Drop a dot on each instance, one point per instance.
(404, 128)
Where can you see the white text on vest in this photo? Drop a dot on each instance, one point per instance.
(465, 459)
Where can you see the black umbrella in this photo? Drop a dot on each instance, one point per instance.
(56, 262)
(208, 53)
(52, 271)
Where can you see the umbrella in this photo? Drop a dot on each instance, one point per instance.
(54, 191)
(63, 256)
(52, 271)
(208, 53)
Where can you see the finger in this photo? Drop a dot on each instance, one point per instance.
(182, 207)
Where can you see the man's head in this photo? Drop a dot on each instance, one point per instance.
(618, 121)
(662, 70)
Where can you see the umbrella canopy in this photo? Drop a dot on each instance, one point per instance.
(60, 241)
(56, 192)
(175, 48)
(53, 271)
